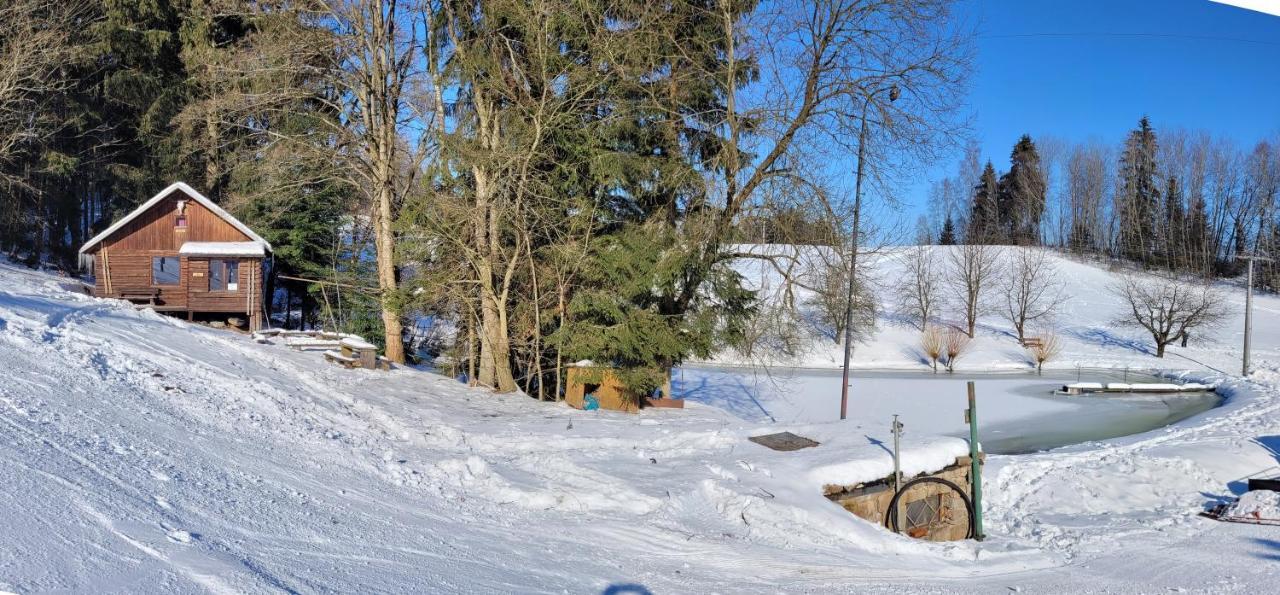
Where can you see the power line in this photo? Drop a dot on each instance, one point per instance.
(1135, 35)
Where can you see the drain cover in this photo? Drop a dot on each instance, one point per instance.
(784, 441)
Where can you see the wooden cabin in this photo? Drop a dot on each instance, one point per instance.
(180, 252)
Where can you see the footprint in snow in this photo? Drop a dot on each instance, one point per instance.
(180, 536)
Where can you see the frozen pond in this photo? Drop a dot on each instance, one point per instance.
(1018, 412)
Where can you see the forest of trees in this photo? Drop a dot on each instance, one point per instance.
(1184, 202)
(557, 179)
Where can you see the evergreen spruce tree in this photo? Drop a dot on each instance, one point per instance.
(1138, 200)
(1021, 195)
(144, 87)
(648, 311)
(984, 222)
(618, 317)
(948, 235)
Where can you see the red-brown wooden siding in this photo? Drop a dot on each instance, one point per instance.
(123, 260)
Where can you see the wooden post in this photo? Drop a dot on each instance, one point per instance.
(975, 469)
(106, 270)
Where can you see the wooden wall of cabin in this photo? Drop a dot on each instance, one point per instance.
(200, 299)
(131, 271)
(157, 228)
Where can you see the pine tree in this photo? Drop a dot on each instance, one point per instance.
(1139, 199)
(948, 235)
(984, 222)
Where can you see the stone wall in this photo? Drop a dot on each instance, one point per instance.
(870, 501)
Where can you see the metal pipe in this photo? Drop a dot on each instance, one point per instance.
(897, 466)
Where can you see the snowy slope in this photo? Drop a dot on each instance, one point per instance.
(141, 454)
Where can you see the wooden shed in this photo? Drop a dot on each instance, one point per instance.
(180, 252)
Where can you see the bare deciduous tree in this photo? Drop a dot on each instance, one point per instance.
(920, 289)
(1168, 307)
(34, 52)
(1032, 290)
(830, 288)
(974, 268)
(1087, 180)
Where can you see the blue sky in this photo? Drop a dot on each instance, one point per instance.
(1063, 77)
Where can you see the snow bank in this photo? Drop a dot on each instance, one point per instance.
(848, 459)
(1258, 504)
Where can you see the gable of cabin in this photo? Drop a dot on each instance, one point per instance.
(158, 228)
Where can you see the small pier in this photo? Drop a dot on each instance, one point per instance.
(1084, 388)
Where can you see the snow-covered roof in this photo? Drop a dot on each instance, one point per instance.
(248, 249)
(196, 196)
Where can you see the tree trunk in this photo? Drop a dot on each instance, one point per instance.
(392, 327)
(495, 348)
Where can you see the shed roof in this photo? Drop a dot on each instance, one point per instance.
(196, 196)
(248, 249)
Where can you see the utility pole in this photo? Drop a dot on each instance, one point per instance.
(853, 246)
(1248, 308)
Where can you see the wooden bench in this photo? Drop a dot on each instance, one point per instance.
(137, 295)
(346, 362)
(1032, 342)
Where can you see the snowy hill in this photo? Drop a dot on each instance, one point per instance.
(141, 454)
(1085, 320)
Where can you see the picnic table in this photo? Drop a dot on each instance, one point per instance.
(305, 343)
(358, 353)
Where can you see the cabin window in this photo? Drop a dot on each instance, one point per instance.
(165, 270)
(181, 222)
(224, 275)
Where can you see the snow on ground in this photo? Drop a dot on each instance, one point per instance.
(141, 454)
